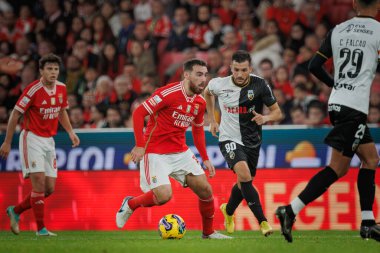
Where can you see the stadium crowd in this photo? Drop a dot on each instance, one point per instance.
(117, 52)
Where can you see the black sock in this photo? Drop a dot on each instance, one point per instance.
(252, 197)
(235, 200)
(366, 188)
(318, 185)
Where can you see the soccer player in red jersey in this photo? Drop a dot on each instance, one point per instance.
(42, 104)
(162, 152)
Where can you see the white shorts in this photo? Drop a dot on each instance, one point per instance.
(37, 154)
(155, 169)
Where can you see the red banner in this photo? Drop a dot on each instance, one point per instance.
(90, 200)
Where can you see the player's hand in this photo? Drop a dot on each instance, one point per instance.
(4, 150)
(210, 168)
(259, 118)
(137, 154)
(214, 128)
(74, 139)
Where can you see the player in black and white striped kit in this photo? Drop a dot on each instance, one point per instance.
(354, 46)
(242, 97)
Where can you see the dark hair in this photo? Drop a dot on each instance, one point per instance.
(366, 3)
(50, 58)
(241, 56)
(188, 65)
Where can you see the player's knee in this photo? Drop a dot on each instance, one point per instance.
(163, 197)
(205, 191)
(371, 163)
(49, 192)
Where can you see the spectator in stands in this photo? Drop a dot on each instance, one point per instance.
(58, 37)
(148, 83)
(302, 97)
(130, 71)
(108, 11)
(126, 30)
(281, 81)
(266, 71)
(213, 37)
(25, 21)
(178, 39)
(285, 16)
(111, 63)
(87, 83)
(142, 10)
(104, 90)
(298, 115)
(124, 94)
(226, 13)
(97, 116)
(316, 114)
(76, 117)
(77, 25)
(113, 117)
(53, 15)
(214, 62)
(198, 29)
(102, 34)
(142, 59)
(74, 73)
(374, 115)
(81, 49)
(296, 37)
(3, 119)
(88, 100)
(284, 104)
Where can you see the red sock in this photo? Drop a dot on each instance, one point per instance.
(38, 206)
(23, 205)
(207, 209)
(144, 200)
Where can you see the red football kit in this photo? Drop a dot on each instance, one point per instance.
(41, 107)
(171, 112)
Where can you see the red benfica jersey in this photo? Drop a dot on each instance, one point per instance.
(41, 107)
(171, 113)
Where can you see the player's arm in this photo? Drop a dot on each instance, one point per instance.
(200, 141)
(148, 107)
(11, 128)
(320, 57)
(65, 122)
(210, 105)
(275, 114)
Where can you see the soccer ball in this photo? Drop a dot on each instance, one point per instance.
(171, 226)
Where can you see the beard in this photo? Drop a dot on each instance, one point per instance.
(196, 89)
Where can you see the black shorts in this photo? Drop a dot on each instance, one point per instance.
(349, 131)
(234, 153)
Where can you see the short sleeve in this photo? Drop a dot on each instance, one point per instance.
(155, 102)
(268, 97)
(24, 101)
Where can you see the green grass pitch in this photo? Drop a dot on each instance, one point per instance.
(149, 241)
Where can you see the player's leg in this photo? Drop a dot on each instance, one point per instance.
(228, 149)
(202, 188)
(366, 187)
(317, 185)
(251, 195)
(154, 182)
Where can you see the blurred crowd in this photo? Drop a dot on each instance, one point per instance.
(117, 52)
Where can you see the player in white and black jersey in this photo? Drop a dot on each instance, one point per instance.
(354, 46)
(242, 97)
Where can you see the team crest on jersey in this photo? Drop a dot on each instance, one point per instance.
(154, 179)
(196, 109)
(179, 107)
(232, 155)
(52, 101)
(188, 108)
(250, 94)
(60, 98)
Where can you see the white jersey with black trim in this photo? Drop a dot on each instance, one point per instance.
(355, 46)
(237, 105)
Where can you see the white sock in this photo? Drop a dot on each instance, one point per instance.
(368, 215)
(297, 205)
